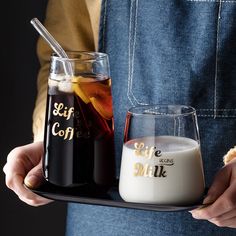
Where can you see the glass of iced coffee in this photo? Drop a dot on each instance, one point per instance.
(161, 158)
(79, 145)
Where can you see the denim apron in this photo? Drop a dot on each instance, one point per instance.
(168, 52)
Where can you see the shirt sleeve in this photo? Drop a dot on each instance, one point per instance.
(70, 24)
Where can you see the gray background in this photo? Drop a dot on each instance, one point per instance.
(19, 66)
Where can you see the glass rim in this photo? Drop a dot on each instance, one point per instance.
(94, 56)
(139, 110)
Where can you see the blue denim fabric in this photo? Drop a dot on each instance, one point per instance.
(168, 52)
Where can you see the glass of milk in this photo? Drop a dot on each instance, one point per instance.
(161, 157)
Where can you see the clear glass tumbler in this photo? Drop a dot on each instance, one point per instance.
(161, 158)
(79, 145)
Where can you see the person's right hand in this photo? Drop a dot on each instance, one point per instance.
(24, 166)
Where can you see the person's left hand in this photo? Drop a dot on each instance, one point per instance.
(222, 195)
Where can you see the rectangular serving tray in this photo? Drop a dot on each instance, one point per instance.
(112, 198)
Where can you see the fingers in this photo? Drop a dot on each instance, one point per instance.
(26, 195)
(219, 185)
(21, 162)
(225, 218)
(35, 200)
(16, 184)
(34, 177)
(225, 203)
(222, 212)
(22, 159)
(231, 222)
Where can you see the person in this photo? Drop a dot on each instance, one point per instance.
(169, 52)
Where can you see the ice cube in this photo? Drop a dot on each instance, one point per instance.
(57, 77)
(52, 83)
(65, 86)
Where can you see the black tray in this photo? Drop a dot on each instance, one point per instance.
(111, 198)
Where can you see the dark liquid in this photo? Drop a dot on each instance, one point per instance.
(79, 143)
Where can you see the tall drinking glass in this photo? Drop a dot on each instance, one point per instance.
(79, 145)
(161, 158)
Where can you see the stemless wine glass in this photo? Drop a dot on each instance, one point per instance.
(79, 146)
(161, 158)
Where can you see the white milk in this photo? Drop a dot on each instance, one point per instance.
(162, 170)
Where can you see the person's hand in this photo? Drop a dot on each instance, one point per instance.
(24, 166)
(222, 195)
